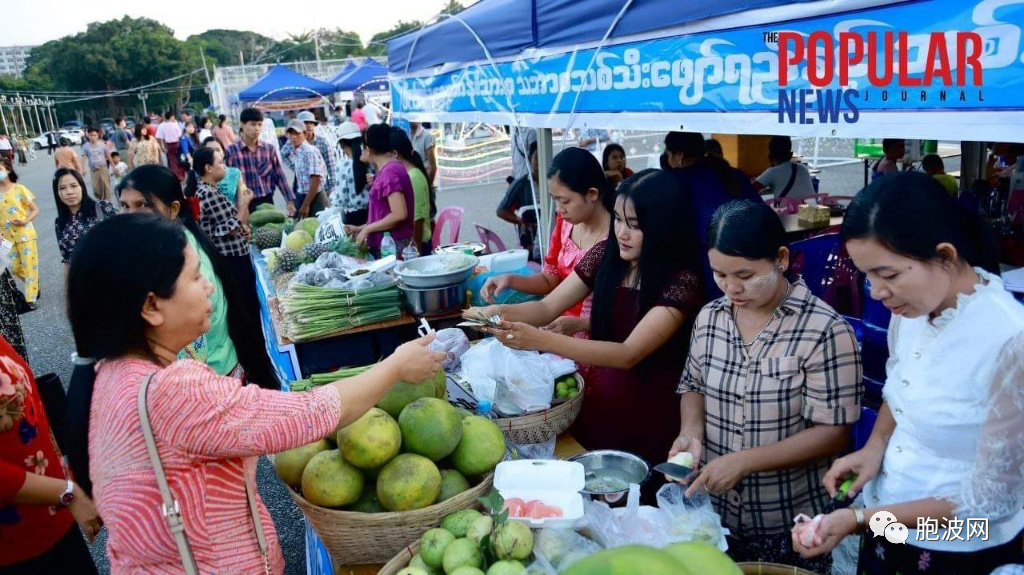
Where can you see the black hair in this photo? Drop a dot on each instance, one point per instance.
(115, 153)
(88, 206)
(746, 229)
(245, 330)
(691, 144)
(140, 131)
(608, 152)
(201, 159)
(579, 170)
(402, 145)
(668, 248)
(221, 119)
(910, 214)
(203, 120)
(211, 139)
(358, 167)
(532, 150)
(93, 129)
(378, 138)
(713, 147)
(932, 162)
(9, 166)
(118, 120)
(889, 143)
(64, 142)
(168, 115)
(663, 160)
(250, 115)
(780, 148)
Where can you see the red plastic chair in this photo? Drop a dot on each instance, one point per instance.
(453, 217)
(490, 239)
(836, 200)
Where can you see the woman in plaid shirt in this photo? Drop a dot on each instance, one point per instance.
(770, 391)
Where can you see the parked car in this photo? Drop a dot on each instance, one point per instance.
(41, 143)
(107, 124)
(129, 123)
(72, 124)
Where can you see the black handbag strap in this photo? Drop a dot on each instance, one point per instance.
(792, 180)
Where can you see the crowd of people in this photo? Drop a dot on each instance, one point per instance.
(671, 288)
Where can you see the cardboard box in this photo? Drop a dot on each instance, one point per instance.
(814, 215)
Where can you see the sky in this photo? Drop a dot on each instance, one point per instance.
(33, 22)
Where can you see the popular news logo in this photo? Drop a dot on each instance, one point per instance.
(885, 55)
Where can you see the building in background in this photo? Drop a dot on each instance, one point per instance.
(13, 60)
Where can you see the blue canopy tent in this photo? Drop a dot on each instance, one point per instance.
(715, 67)
(370, 76)
(281, 83)
(348, 69)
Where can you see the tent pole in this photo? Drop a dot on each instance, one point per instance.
(545, 152)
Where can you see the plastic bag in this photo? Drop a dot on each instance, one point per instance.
(454, 343)
(476, 284)
(545, 450)
(5, 253)
(631, 525)
(515, 381)
(557, 550)
(690, 518)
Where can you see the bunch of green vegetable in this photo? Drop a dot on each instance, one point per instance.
(319, 379)
(311, 312)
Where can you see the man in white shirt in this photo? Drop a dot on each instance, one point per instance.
(168, 134)
(786, 178)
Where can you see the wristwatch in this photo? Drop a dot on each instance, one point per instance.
(68, 497)
(859, 518)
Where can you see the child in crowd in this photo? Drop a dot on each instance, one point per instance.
(118, 168)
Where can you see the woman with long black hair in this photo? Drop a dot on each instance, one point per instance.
(645, 278)
(77, 212)
(421, 189)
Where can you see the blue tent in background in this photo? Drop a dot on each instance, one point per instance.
(349, 68)
(281, 83)
(365, 77)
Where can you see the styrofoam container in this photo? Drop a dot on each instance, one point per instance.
(508, 261)
(551, 482)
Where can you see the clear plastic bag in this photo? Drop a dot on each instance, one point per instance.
(556, 550)
(453, 342)
(690, 518)
(545, 450)
(516, 382)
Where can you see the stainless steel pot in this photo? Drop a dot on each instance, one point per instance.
(433, 302)
(618, 467)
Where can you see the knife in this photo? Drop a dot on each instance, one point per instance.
(841, 499)
(674, 471)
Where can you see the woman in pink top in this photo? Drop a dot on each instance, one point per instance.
(209, 429)
(583, 196)
(392, 199)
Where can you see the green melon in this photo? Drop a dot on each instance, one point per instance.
(408, 482)
(402, 394)
(370, 441)
(430, 427)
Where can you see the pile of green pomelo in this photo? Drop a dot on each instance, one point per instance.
(409, 452)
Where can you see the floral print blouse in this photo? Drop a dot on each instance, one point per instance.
(74, 230)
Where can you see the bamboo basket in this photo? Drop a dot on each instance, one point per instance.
(543, 425)
(759, 568)
(400, 561)
(359, 538)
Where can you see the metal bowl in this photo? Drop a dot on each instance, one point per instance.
(623, 465)
(437, 271)
(433, 302)
(461, 247)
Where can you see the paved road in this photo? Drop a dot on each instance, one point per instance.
(50, 344)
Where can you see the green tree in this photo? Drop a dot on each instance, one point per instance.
(223, 47)
(378, 46)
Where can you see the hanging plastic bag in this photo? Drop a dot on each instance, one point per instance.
(453, 342)
(516, 382)
(690, 518)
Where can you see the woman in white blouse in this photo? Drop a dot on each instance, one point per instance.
(946, 456)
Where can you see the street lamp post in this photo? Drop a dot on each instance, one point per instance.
(142, 96)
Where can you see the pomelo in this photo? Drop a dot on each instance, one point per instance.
(290, 464)
(481, 448)
(367, 502)
(629, 560)
(370, 441)
(402, 394)
(328, 481)
(699, 557)
(452, 484)
(408, 482)
(430, 427)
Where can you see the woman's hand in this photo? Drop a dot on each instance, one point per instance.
(84, 512)
(475, 313)
(495, 285)
(414, 363)
(17, 222)
(362, 236)
(522, 336)
(832, 529)
(686, 443)
(720, 474)
(245, 197)
(864, 463)
(568, 325)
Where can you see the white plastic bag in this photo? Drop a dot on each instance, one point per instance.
(453, 342)
(558, 549)
(516, 382)
(690, 518)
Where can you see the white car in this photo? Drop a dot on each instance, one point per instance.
(72, 136)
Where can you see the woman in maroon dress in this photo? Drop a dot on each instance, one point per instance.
(646, 286)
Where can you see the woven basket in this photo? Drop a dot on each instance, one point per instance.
(543, 425)
(359, 538)
(758, 568)
(400, 561)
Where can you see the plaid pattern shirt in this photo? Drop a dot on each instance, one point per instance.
(306, 161)
(261, 168)
(329, 155)
(804, 370)
(218, 218)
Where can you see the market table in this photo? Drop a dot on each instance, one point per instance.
(795, 229)
(319, 562)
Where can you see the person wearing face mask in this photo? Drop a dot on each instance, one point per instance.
(17, 210)
(584, 201)
(947, 442)
(136, 296)
(645, 281)
(77, 212)
(770, 392)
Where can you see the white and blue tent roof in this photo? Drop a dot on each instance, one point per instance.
(710, 67)
(282, 83)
